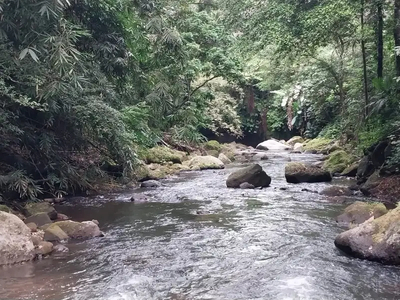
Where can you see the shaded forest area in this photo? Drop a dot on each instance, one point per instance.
(87, 86)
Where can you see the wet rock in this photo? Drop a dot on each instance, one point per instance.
(376, 239)
(309, 191)
(296, 172)
(150, 184)
(365, 169)
(39, 219)
(351, 171)
(373, 181)
(246, 186)
(359, 212)
(41, 207)
(337, 191)
(53, 233)
(253, 175)
(283, 189)
(15, 240)
(44, 248)
(96, 222)
(80, 230)
(205, 162)
(295, 140)
(272, 145)
(32, 226)
(62, 217)
(222, 157)
(259, 156)
(318, 164)
(140, 198)
(60, 249)
(37, 237)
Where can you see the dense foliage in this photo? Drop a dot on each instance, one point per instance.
(84, 85)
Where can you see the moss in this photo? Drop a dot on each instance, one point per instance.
(384, 224)
(5, 208)
(213, 145)
(295, 167)
(337, 161)
(214, 153)
(318, 144)
(161, 155)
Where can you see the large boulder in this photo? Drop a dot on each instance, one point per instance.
(162, 155)
(365, 169)
(359, 212)
(317, 145)
(15, 240)
(372, 182)
(296, 172)
(253, 175)
(80, 230)
(337, 161)
(295, 140)
(272, 145)
(213, 145)
(205, 162)
(34, 208)
(298, 147)
(376, 239)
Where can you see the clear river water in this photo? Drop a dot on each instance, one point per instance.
(197, 240)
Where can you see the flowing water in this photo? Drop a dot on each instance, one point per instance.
(196, 239)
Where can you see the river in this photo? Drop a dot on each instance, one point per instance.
(197, 240)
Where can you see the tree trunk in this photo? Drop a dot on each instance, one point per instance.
(397, 33)
(380, 39)
(364, 58)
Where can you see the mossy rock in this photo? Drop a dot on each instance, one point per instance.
(317, 145)
(34, 208)
(213, 145)
(162, 155)
(297, 172)
(337, 161)
(295, 140)
(205, 162)
(214, 153)
(5, 208)
(359, 212)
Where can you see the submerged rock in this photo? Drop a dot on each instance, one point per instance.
(337, 191)
(376, 239)
(247, 186)
(272, 145)
(77, 230)
(150, 184)
(44, 248)
(15, 240)
(359, 212)
(60, 249)
(253, 175)
(296, 172)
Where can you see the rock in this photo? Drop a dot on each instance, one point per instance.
(150, 184)
(337, 191)
(213, 145)
(272, 145)
(32, 226)
(60, 249)
(214, 153)
(62, 217)
(309, 191)
(295, 140)
(317, 145)
(15, 240)
(296, 172)
(39, 219)
(205, 162)
(5, 208)
(222, 157)
(359, 212)
(53, 233)
(96, 222)
(44, 248)
(373, 181)
(260, 156)
(298, 147)
(246, 186)
(253, 175)
(162, 155)
(37, 237)
(365, 169)
(337, 161)
(41, 207)
(350, 171)
(318, 164)
(376, 239)
(81, 230)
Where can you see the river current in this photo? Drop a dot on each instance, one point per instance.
(197, 240)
